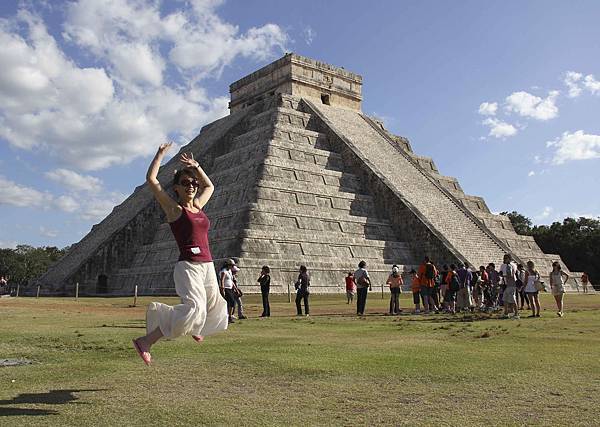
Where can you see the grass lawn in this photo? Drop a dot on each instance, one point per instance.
(329, 369)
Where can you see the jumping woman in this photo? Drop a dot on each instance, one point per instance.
(202, 310)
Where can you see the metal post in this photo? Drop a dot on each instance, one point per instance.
(18, 288)
(289, 294)
(382, 297)
(37, 295)
(76, 291)
(135, 295)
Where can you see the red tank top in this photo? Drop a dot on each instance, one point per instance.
(191, 234)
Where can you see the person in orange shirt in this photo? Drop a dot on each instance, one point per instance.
(395, 283)
(416, 290)
(427, 273)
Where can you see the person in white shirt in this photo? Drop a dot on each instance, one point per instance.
(508, 270)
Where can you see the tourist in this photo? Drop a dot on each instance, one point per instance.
(558, 278)
(532, 278)
(481, 284)
(508, 270)
(265, 283)
(302, 292)
(585, 281)
(3, 286)
(520, 285)
(427, 273)
(202, 310)
(493, 291)
(464, 300)
(442, 279)
(415, 286)
(350, 287)
(452, 287)
(363, 283)
(395, 283)
(237, 294)
(226, 285)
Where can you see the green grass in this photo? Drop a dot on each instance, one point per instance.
(330, 369)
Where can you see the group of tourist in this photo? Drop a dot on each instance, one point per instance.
(459, 288)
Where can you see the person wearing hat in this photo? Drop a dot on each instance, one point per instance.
(226, 285)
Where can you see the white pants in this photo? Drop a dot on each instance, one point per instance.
(202, 311)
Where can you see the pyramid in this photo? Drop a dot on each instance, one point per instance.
(301, 176)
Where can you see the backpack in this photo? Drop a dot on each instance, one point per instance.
(454, 284)
(429, 271)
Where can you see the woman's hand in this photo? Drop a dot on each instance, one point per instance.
(163, 148)
(187, 160)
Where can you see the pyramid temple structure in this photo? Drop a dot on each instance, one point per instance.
(302, 176)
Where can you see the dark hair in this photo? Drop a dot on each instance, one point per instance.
(362, 264)
(519, 265)
(481, 267)
(179, 173)
(303, 268)
(266, 269)
(460, 265)
(413, 271)
(445, 267)
(426, 259)
(509, 256)
(452, 267)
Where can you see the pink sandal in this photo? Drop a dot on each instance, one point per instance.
(146, 357)
(198, 338)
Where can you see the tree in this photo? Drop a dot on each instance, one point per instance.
(26, 262)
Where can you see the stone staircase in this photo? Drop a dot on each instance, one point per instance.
(463, 235)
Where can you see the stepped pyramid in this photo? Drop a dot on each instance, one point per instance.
(302, 176)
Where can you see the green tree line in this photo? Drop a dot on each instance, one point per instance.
(26, 262)
(576, 240)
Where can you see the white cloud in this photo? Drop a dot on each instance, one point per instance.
(93, 118)
(21, 196)
(575, 146)
(309, 35)
(66, 203)
(591, 84)
(48, 232)
(98, 208)
(571, 81)
(528, 105)
(531, 173)
(499, 129)
(75, 181)
(545, 213)
(488, 108)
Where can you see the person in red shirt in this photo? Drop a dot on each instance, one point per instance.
(350, 287)
(416, 291)
(202, 310)
(427, 273)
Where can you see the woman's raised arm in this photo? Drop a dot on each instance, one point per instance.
(208, 188)
(169, 206)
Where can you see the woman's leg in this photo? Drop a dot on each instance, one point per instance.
(298, 306)
(306, 310)
(536, 304)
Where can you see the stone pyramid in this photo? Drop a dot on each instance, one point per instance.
(302, 176)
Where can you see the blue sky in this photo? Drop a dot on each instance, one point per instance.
(504, 95)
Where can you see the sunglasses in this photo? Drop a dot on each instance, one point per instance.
(189, 182)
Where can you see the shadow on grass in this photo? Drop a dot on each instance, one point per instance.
(53, 397)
